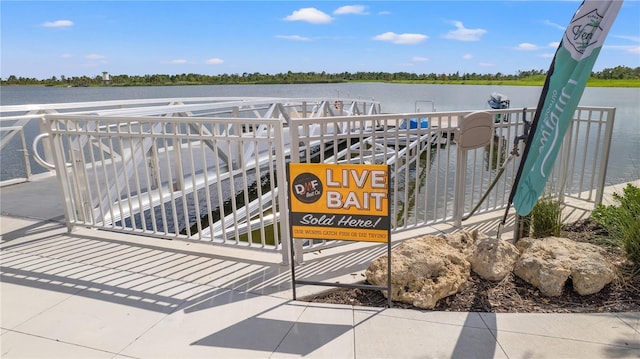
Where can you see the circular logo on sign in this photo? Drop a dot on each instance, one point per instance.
(307, 187)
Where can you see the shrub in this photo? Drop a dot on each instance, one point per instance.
(545, 218)
(623, 221)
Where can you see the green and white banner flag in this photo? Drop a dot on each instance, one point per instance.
(563, 88)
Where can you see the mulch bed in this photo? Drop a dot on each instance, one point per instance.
(513, 295)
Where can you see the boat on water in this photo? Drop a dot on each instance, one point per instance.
(498, 101)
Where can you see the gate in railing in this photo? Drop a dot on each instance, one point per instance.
(190, 176)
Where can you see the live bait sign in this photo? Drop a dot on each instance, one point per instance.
(347, 202)
(339, 201)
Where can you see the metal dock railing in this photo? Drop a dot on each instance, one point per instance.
(210, 169)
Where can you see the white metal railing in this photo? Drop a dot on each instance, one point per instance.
(176, 172)
(30, 117)
(214, 172)
(426, 162)
(419, 147)
(9, 132)
(172, 177)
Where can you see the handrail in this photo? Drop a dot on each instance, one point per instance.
(36, 155)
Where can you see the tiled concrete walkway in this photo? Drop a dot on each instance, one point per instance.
(95, 294)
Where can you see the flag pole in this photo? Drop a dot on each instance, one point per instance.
(532, 130)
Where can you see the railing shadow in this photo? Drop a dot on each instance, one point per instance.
(154, 277)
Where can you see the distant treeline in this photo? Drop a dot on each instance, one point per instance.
(532, 76)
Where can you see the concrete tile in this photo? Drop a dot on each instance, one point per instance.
(180, 266)
(322, 331)
(100, 253)
(29, 265)
(380, 336)
(19, 345)
(137, 290)
(631, 319)
(453, 318)
(599, 328)
(14, 230)
(104, 318)
(224, 324)
(48, 243)
(19, 303)
(519, 345)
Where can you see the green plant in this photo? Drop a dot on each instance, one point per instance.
(545, 218)
(622, 221)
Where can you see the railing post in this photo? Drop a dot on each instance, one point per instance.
(604, 159)
(177, 157)
(460, 182)
(25, 154)
(62, 176)
(82, 198)
(564, 165)
(283, 201)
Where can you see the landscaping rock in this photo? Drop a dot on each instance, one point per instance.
(547, 263)
(424, 270)
(464, 241)
(494, 259)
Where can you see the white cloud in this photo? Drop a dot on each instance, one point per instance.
(351, 9)
(384, 12)
(525, 46)
(467, 56)
(630, 38)
(624, 48)
(631, 49)
(178, 61)
(419, 59)
(554, 44)
(310, 15)
(58, 23)
(547, 55)
(94, 64)
(553, 24)
(294, 37)
(214, 61)
(402, 39)
(463, 34)
(486, 64)
(66, 56)
(95, 60)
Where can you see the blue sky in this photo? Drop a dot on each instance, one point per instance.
(73, 38)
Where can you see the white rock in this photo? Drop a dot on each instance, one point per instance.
(424, 270)
(547, 263)
(494, 259)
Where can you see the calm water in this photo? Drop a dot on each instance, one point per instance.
(624, 163)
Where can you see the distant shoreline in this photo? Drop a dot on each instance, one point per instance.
(627, 83)
(622, 83)
(619, 76)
